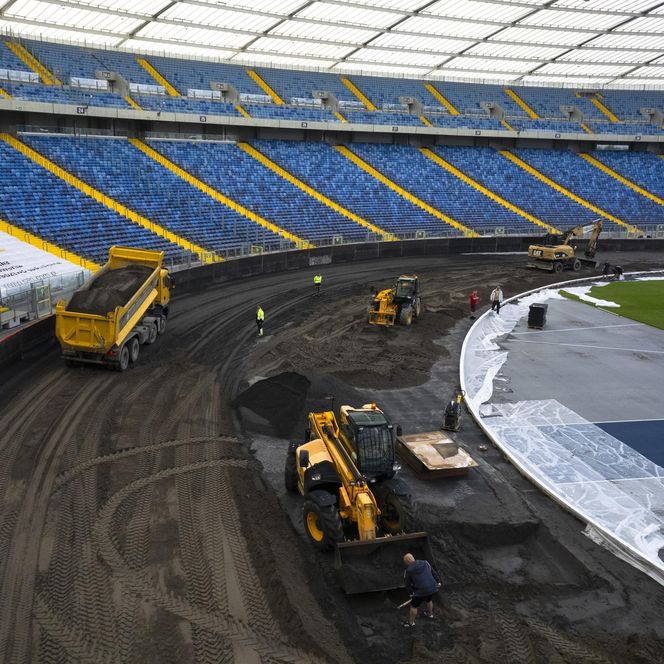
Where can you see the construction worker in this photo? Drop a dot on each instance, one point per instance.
(318, 280)
(422, 582)
(496, 299)
(260, 318)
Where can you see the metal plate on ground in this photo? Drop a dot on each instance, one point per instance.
(433, 454)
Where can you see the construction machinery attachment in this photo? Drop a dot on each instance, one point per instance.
(353, 503)
(401, 304)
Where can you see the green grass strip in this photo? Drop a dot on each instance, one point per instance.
(642, 301)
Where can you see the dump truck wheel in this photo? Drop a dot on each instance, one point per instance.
(558, 267)
(162, 325)
(396, 513)
(576, 265)
(123, 362)
(290, 473)
(152, 334)
(406, 316)
(322, 525)
(418, 308)
(134, 349)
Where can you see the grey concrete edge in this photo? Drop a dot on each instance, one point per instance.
(616, 545)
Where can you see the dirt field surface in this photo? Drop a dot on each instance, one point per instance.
(144, 519)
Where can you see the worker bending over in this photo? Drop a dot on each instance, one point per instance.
(318, 280)
(260, 318)
(422, 583)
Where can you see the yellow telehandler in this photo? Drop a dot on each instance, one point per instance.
(401, 304)
(353, 504)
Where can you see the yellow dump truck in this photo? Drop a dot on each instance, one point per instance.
(124, 305)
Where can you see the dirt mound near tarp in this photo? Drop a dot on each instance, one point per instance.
(109, 290)
(278, 401)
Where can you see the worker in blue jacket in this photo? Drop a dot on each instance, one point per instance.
(422, 583)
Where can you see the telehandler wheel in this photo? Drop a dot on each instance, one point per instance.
(397, 514)
(123, 362)
(322, 525)
(576, 265)
(558, 267)
(406, 315)
(134, 349)
(290, 473)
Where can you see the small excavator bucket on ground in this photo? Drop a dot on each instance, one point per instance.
(375, 565)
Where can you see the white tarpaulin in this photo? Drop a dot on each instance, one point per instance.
(21, 264)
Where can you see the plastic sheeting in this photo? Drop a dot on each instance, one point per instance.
(616, 490)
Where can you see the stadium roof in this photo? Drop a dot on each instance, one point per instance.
(569, 42)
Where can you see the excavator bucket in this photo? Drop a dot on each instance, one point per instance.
(375, 565)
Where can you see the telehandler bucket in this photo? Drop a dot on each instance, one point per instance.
(375, 565)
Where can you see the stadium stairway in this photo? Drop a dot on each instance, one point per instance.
(554, 185)
(105, 200)
(521, 103)
(369, 105)
(368, 168)
(437, 159)
(5, 94)
(623, 180)
(438, 96)
(289, 177)
(25, 236)
(217, 195)
(170, 89)
(603, 109)
(46, 77)
(263, 85)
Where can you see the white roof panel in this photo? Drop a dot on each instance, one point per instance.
(579, 41)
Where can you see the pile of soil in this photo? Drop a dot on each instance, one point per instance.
(278, 401)
(109, 290)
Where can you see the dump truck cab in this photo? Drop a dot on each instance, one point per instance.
(369, 437)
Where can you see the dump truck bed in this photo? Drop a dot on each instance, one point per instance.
(433, 454)
(103, 312)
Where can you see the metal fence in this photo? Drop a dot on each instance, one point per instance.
(38, 298)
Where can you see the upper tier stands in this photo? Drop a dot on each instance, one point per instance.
(124, 173)
(467, 98)
(39, 202)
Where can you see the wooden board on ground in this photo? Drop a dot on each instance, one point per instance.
(433, 454)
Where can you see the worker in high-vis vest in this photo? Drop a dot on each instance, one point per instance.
(260, 318)
(318, 280)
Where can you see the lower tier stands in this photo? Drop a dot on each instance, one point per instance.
(492, 170)
(37, 201)
(572, 172)
(124, 173)
(320, 166)
(414, 172)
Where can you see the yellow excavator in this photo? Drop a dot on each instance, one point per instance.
(401, 303)
(555, 254)
(353, 504)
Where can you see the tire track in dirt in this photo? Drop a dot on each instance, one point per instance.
(19, 577)
(227, 625)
